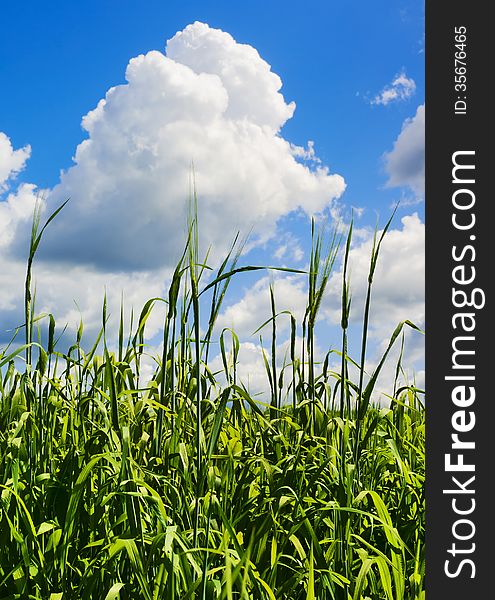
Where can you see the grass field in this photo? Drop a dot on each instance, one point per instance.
(185, 486)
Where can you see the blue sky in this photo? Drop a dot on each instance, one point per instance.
(58, 59)
(355, 71)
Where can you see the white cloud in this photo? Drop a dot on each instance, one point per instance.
(401, 88)
(398, 287)
(254, 308)
(251, 369)
(289, 249)
(75, 292)
(405, 163)
(251, 88)
(217, 103)
(209, 101)
(412, 371)
(397, 294)
(11, 161)
(308, 154)
(16, 209)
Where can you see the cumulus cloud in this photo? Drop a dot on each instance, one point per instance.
(405, 163)
(251, 88)
(77, 294)
(15, 210)
(254, 308)
(209, 104)
(206, 105)
(401, 88)
(398, 288)
(251, 368)
(11, 161)
(397, 295)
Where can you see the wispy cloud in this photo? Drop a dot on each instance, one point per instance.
(401, 88)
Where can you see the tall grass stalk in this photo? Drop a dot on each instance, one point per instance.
(187, 486)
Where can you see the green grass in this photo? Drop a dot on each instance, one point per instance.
(186, 486)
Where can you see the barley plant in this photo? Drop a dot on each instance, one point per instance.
(188, 487)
